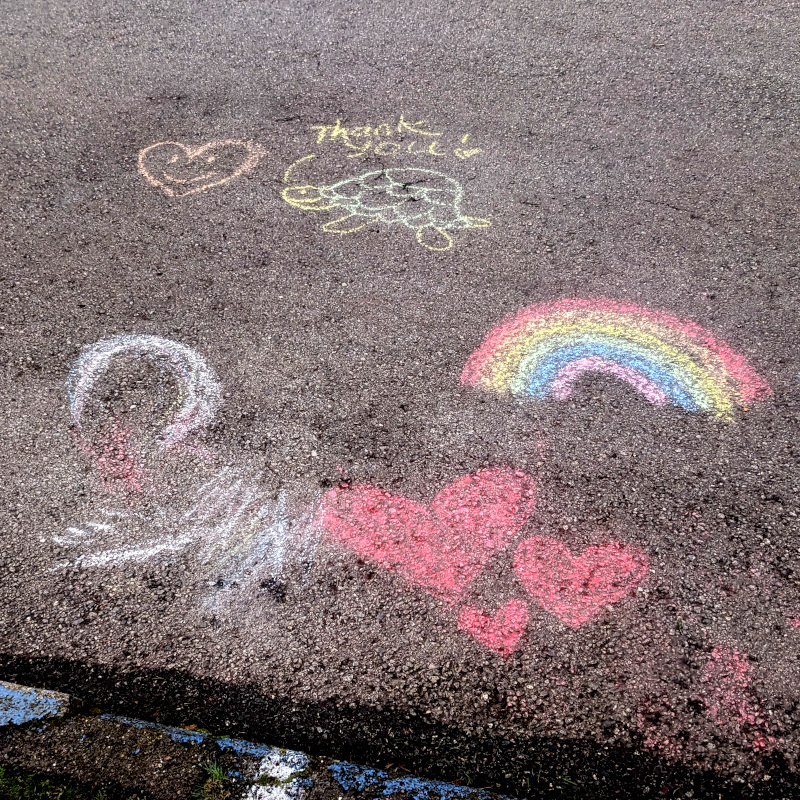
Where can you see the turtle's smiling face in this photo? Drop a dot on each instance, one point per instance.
(307, 197)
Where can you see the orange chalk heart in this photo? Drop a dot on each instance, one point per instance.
(180, 170)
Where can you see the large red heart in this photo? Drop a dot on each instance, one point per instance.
(575, 588)
(440, 547)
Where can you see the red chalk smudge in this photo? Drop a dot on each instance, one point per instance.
(727, 700)
(575, 588)
(500, 631)
(115, 460)
(726, 674)
(440, 547)
(794, 622)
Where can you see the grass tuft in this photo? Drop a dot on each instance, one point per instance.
(214, 787)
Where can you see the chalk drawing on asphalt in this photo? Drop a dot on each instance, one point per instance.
(116, 458)
(500, 631)
(199, 389)
(443, 547)
(423, 200)
(542, 351)
(723, 695)
(233, 531)
(399, 137)
(230, 526)
(577, 588)
(180, 170)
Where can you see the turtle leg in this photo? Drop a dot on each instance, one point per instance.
(349, 223)
(434, 238)
(476, 222)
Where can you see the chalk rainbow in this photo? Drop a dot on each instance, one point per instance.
(542, 350)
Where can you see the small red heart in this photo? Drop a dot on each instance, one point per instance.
(575, 588)
(440, 547)
(500, 631)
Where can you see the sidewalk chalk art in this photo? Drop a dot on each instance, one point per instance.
(444, 546)
(440, 547)
(576, 588)
(117, 459)
(501, 630)
(199, 389)
(398, 137)
(234, 530)
(423, 200)
(542, 351)
(180, 170)
(723, 696)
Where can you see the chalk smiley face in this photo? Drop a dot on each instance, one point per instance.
(180, 170)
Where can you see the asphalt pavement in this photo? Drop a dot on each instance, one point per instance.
(411, 384)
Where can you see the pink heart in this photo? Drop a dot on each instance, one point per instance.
(500, 631)
(575, 588)
(440, 547)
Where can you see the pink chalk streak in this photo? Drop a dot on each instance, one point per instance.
(564, 380)
(726, 681)
(115, 459)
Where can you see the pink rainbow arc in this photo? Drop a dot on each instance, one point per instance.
(563, 383)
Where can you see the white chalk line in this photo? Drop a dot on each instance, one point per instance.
(235, 529)
(201, 393)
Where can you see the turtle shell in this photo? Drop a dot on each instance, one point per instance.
(405, 195)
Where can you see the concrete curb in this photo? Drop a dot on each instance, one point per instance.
(257, 771)
(20, 704)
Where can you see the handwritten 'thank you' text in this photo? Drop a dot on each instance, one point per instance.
(388, 139)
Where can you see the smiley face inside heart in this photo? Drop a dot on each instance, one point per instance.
(576, 588)
(180, 170)
(440, 547)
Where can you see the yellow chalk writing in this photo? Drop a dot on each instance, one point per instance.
(414, 127)
(390, 139)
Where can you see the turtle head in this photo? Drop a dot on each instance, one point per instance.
(309, 198)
